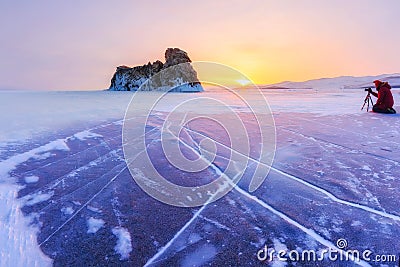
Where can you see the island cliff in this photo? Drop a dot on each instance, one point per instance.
(175, 75)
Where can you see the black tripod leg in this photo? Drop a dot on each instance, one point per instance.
(372, 103)
(365, 102)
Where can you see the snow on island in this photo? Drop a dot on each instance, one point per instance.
(175, 75)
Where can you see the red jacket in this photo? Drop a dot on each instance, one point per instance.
(385, 97)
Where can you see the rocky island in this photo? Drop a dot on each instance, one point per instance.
(175, 75)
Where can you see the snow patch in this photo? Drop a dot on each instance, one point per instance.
(356, 223)
(38, 197)
(67, 108)
(366, 168)
(77, 203)
(278, 263)
(200, 257)
(11, 163)
(16, 232)
(67, 210)
(18, 241)
(124, 245)
(86, 135)
(231, 202)
(59, 144)
(94, 209)
(278, 245)
(42, 156)
(94, 225)
(31, 179)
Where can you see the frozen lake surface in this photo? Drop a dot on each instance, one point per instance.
(69, 199)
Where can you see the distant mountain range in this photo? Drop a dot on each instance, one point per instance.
(343, 82)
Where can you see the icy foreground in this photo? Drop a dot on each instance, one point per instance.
(68, 198)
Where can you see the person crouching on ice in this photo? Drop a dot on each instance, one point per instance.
(385, 101)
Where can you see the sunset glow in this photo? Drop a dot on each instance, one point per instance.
(76, 46)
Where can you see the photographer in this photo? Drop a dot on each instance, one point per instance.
(385, 101)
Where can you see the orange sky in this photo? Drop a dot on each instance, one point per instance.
(76, 46)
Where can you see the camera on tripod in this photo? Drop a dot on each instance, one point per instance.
(368, 99)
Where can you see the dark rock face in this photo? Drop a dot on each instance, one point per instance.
(174, 56)
(176, 74)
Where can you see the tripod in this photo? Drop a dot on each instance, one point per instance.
(367, 100)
